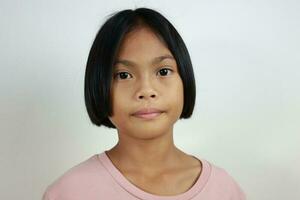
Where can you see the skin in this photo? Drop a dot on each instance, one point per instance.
(145, 153)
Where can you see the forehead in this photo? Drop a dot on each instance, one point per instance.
(140, 43)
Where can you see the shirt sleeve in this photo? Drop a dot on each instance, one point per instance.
(46, 196)
(237, 193)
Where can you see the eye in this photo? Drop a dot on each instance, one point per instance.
(122, 75)
(164, 71)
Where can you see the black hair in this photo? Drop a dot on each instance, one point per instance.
(98, 74)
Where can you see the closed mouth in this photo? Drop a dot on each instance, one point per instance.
(149, 115)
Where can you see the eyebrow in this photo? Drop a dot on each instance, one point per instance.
(154, 61)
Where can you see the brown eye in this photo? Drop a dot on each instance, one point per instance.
(164, 71)
(122, 75)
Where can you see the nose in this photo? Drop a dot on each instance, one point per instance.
(146, 91)
(146, 96)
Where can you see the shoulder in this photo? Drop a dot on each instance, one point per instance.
(220, 180)
(78, 179)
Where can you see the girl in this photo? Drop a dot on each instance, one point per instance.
(139, 80)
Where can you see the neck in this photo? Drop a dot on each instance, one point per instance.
(153, 154)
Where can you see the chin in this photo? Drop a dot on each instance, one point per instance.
(151, 129)
(148, 135)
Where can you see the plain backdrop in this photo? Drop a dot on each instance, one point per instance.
(246, 59)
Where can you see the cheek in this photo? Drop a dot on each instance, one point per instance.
(118, 116)
(179, 95)
(120, 102)
(176, 87)
(174, 96)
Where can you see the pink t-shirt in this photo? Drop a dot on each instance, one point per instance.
(97, 178)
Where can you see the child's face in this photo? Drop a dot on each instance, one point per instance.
(145, 84)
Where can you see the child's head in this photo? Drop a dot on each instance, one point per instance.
(127, 44)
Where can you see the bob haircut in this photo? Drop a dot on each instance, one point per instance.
(99, 68)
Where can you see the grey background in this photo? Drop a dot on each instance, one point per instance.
(246, 58)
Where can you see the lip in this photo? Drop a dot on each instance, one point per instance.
(148, 113)
(148, 116)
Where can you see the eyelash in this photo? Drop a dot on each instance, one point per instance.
(116, 74)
